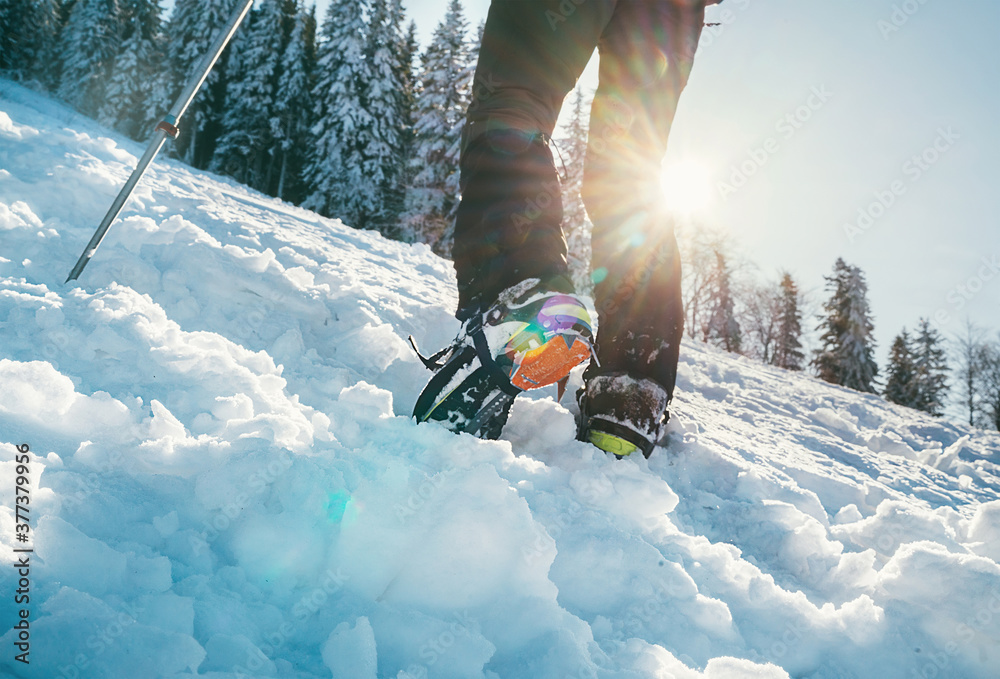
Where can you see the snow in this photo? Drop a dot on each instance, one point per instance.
(226, 483)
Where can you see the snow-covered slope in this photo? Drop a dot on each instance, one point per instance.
(226, 482)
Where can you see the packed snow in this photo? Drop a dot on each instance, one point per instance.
(225, 480)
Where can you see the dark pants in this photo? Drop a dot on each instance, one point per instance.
(509, 224)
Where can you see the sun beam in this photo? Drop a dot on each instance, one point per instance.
(686, 186)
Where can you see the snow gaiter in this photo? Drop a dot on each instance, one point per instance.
(508, 227)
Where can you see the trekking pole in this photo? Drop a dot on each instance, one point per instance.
(166, 128)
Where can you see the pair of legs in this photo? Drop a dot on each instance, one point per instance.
(509, 224)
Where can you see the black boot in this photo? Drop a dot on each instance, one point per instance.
(531, 337)
(621, 414)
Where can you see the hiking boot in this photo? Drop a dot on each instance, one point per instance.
(621, 414)
(532, 337)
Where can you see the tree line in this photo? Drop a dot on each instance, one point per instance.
(345, 116)
(726, 306)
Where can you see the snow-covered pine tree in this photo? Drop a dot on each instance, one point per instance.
(293, 111)
(29, 32)
(193, 26)
(46, 27)
(395, 201)
(409, 51)
(89, 44)
(788, 346)
(129, 102)
(931, 367)
(387, 102)
(846, 354)
(722, 329)
(446, 77)
(340, 114)
(576, 223)
(246, 148)
(901, 373)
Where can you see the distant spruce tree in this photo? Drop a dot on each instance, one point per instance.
(442, 101)
(901, 373)
(130, 103)
(247, 147)
(361, 113)
(409, 52)
(722, 329)
(846, 355)
(293, 109)
(334, 160)
(931, 366)
(788, 343)
(194, 24)
(405, 170)
(387, 101)
(89, 44)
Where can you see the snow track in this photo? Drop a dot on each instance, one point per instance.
(226, 482)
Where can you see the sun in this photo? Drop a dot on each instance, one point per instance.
(686, 186)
